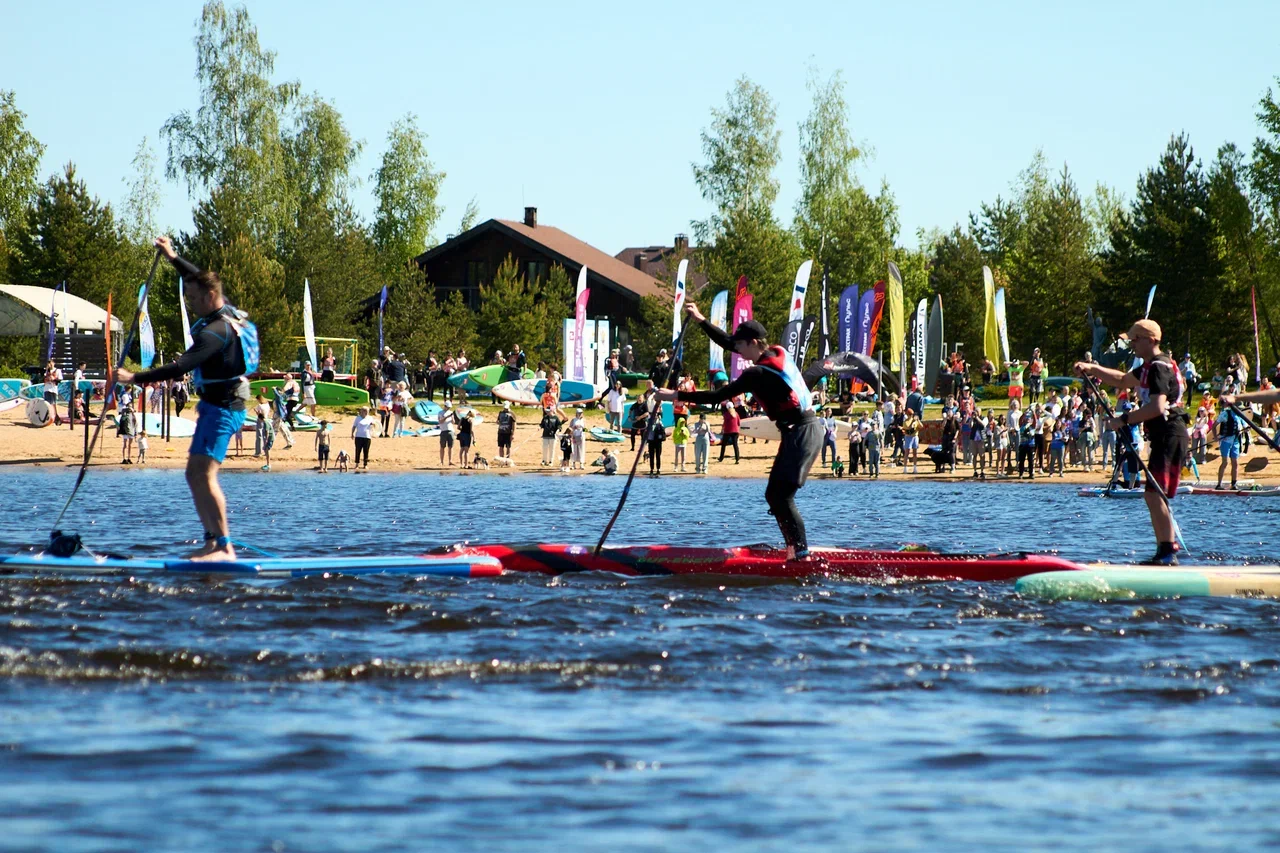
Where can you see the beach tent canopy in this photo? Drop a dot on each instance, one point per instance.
(24, 312)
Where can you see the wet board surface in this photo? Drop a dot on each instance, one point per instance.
(259, 567)
(665, 560)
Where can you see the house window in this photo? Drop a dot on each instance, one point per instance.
(536, 271)
(477, 273)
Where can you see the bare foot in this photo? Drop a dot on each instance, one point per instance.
(225, 554)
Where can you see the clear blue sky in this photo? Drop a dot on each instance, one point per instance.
(591, 111)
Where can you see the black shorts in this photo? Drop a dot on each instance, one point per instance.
(323, 451)
(446, 439)
(1169, 446)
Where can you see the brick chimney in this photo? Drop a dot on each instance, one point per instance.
(641, 257)
(682, 243)
(531, 217)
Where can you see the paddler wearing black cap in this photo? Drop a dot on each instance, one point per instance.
(783, 391)
(1161, 389)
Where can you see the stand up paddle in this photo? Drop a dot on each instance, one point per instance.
(655, 417)
(65, 545)
(1126, 438)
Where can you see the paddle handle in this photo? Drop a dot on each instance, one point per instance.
(655, 418)
(111, 388)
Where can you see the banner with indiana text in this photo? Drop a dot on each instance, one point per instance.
(919, 349)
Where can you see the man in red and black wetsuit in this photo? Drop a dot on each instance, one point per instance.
(1161, 390)
(777, 384)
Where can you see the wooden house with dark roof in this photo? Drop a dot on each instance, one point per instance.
(465, 262)
(661, 262)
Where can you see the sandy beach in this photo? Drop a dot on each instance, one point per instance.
(25, 445)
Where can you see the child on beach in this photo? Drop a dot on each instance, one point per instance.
(125, 429)
(566, 448)
(679, 439)
(342, 459)
(142, 447)
(322, 446)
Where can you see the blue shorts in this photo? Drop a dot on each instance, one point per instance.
(214, 428)
(1229, 447)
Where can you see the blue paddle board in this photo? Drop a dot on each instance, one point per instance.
(460, 566)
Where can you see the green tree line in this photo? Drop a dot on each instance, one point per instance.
(269, 168)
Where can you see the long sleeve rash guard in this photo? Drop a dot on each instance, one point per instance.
(215, 349)
(773, 392)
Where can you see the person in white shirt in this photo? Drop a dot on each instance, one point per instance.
(615, 400)
(402, 402)
(577, 432)
(52, 379)
(445, 420)
(362, 429)
(701, 443)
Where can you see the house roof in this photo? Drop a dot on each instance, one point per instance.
(571, 252)
(24, 311)
(655, 262)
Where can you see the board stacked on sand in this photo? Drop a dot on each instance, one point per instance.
(154, 424)
(528, 392)
(668, 417)
(480, 380)
(1107, 582)
(330, 394)
(608, 436)
(94, 386)
(664, 560)
(425, 411)
(452, 565)
(13, 387)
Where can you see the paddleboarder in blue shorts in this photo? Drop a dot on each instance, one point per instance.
(224, 350)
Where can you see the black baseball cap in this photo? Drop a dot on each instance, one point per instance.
(748, 330)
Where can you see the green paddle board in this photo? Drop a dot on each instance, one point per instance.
(327, 393)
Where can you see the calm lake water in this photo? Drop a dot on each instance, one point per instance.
(528, 713)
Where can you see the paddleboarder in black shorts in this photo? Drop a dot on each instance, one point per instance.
(777, 384)
(1161, 391)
